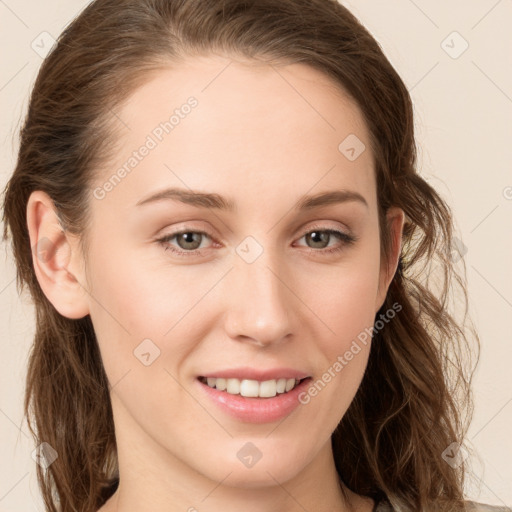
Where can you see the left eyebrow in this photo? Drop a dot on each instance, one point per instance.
(327, 198)
(212, 200)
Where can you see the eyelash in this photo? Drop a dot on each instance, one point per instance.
(346, 239)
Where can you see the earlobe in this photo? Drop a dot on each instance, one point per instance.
(54, 257)
(395, 222)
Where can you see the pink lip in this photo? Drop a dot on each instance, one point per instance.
(255, 410)
(256, 374)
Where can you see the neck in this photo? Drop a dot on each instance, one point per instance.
(154, 480)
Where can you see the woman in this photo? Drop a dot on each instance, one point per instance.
(195, 348)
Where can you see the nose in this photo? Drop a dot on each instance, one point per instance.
(259, 303)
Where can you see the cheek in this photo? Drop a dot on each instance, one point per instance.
(133, 298)
(345, 296)
(346, 307)
(349, 305)
(132, 303)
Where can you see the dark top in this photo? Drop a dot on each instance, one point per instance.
(472, 506)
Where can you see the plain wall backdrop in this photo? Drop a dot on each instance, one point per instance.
(456, 60)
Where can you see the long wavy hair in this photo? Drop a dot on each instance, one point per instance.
(415, 399)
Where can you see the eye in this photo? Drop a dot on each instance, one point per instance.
(320, 235)
(189, 241)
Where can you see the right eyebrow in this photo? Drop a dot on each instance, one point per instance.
(192, 197)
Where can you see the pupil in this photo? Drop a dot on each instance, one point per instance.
(315, 235)
(188, 240)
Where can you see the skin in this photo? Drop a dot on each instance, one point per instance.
(263, 137)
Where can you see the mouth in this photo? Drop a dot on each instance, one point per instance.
(250, 388)
(254, 401)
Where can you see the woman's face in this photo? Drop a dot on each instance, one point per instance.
(261, 288)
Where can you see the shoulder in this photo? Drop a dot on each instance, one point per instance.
(471, 506)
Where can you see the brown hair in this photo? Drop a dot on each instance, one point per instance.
(409, 406)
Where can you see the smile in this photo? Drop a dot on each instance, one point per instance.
(252, 388)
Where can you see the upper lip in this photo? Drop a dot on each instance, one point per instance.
(257, 373)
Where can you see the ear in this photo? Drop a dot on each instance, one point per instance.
(56, 259)
(395, 221)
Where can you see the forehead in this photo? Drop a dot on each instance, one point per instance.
(216, 123)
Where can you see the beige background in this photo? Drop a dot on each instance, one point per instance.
(463, 107)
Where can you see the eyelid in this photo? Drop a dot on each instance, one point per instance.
(324, 227)
(186, 227)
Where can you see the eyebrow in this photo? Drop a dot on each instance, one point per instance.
(212, 200)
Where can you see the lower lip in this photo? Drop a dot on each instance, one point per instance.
(256, 410)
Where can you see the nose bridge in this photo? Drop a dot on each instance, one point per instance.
(259, 302)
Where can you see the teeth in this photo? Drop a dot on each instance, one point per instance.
(252, 388)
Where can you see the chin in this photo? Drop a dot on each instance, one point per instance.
(254, 479)
(257, 473)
